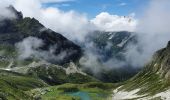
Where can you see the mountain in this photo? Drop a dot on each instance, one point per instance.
(37, 63)
(19, 28)
(111, 44)
(25, 40)
(152, 83)
(109, 48)
(32, 56)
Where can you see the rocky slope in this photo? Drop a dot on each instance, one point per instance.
(152, 83)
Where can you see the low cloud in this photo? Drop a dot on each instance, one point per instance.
(153, 32)
(30, 48)
(96, 62)
(6, 13)
(91, 62)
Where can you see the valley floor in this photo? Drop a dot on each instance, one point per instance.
(87, 91)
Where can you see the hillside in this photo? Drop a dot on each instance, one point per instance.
(30, 48)
(25, 40)
(32, 56)
(38, 63)
(53, 44)
(152, 83)
(13, 85)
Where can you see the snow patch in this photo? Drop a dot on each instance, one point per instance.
(124, 41)
(111, 35)
(163, 95)
(123, 95)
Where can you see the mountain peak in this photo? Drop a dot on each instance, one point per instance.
(60, 49)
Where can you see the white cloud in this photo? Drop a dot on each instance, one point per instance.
(71, 24)
(153, 32)
(6, 13)
(28, 46)
(107, 22)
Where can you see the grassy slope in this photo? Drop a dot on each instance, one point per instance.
(13, 85)
(154, 78)
(148, 83)
(54, 76)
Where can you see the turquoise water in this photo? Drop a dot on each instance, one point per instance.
(81, 95)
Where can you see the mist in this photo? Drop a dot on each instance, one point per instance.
(151, 28)
(30, 48)
(5, 12)
(153, 32)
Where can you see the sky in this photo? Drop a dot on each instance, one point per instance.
(94, 7)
